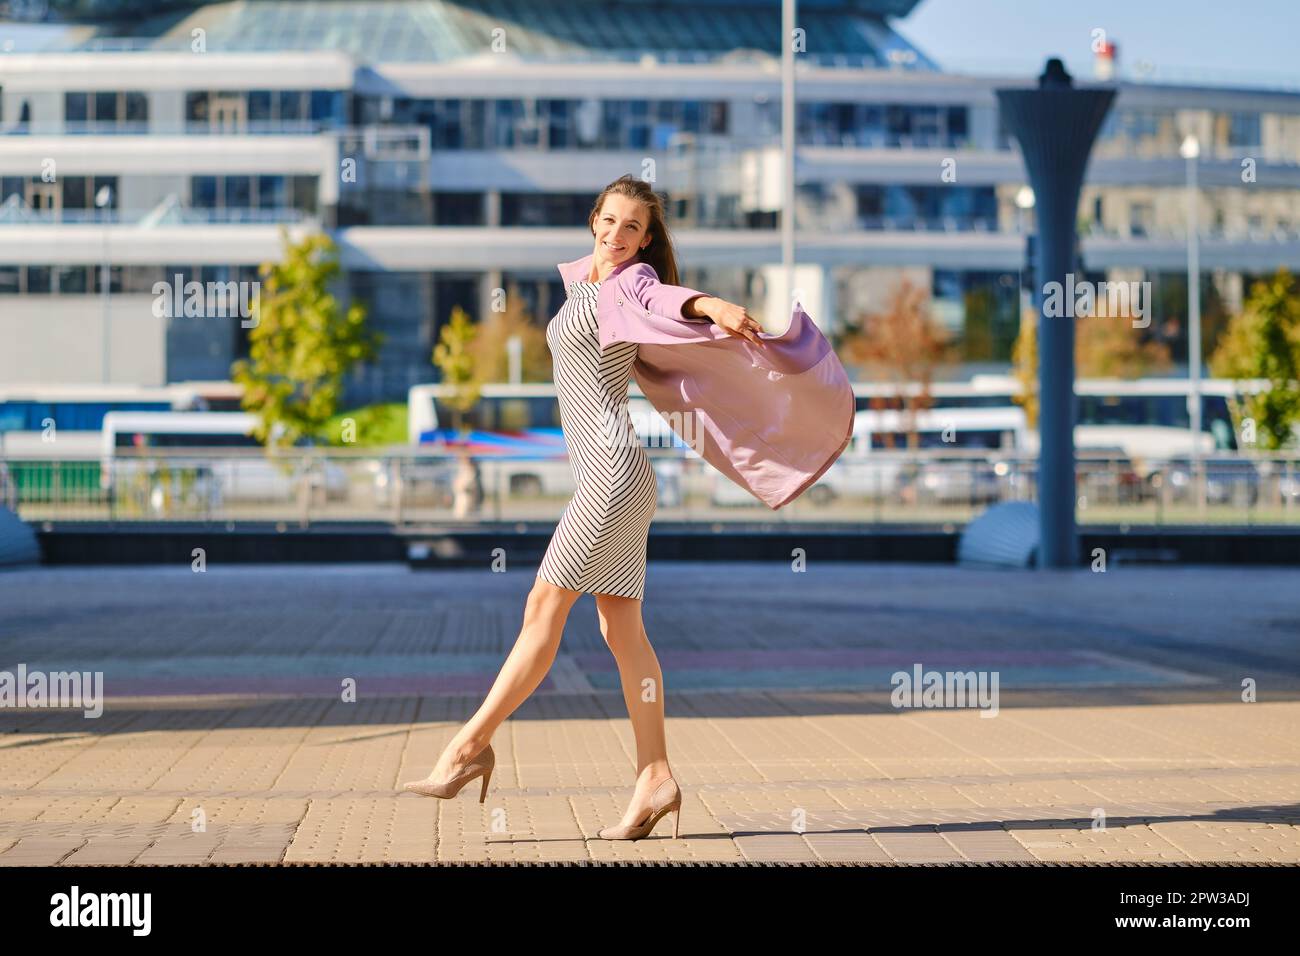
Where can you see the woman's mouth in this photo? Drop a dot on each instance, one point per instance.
(613, 248)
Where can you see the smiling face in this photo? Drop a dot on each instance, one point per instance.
(620, 229)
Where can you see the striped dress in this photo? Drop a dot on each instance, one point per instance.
(599, 545)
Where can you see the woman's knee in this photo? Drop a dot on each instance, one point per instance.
(619, 618)
(547, 599)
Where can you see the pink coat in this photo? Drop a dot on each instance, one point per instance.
(771, 418)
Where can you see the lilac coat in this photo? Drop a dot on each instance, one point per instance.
(771, 418)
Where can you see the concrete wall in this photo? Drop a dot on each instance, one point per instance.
(61, 339)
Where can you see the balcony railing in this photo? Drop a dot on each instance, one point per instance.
(14, 214)
(191, 128)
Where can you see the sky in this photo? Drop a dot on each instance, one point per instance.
(1246, 41)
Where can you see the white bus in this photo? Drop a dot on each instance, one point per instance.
(501, 408)
(1146, 417)
(875, 461)
(65, 421)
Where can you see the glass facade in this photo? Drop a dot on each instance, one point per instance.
(264, 111)
(254, 193)
(547, 124)
(871, 125)
(86, 278)
(106, 112)
(979, 307)
(545, 209)
(947, 208)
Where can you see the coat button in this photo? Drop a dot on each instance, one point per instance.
(620, 301)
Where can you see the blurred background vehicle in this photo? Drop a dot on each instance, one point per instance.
(216, 454)
(1227, 479)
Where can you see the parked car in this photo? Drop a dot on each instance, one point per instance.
(1113, 479)
(425, 484)
(951, 481)
(1227, 479)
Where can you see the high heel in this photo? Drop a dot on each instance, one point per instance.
(667, 798)
(482, 764)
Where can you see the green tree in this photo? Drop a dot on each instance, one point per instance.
(301, 345)
(1263, 341)
(455, 355)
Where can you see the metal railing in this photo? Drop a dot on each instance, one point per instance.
(929, 486)
(177, 215)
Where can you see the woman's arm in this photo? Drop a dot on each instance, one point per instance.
(725, 315)
(676, 300)
(662, 299)
(694, 307)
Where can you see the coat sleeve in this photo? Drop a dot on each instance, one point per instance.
(661, 299)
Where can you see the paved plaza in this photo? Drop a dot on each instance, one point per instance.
(1118, 730)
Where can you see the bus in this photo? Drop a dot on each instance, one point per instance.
(219, 449)
(523, 412)
(1145, 417)
(1145, 420)
(878, 459)
(64, 422)
(500, 408)
(515, 431)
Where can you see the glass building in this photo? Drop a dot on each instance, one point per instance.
(454, 147)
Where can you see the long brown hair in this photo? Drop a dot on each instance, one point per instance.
(659, 253)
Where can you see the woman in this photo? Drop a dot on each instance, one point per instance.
(618, 313)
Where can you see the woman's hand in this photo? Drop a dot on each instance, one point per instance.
(731, 317)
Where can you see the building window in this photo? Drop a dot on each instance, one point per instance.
(76, 107)
(1244, 130)
(72, 280)
(105, 112)
(264, 111)
(458, 209)
(548, 124)
(545, 209)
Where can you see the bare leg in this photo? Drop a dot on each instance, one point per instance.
(642, 679)
(531, 657)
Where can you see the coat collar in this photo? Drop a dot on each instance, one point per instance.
(579, 269)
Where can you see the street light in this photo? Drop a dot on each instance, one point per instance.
(1025, 198)
(1190, 150)
(788, 17)
(103, 199)
(1024, 202)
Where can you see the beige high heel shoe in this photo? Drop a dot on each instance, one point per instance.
(481, 764)
(667, 798)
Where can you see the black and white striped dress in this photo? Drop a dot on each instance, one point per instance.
(599, 545)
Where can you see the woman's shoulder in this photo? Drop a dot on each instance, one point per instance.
(639, 270)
